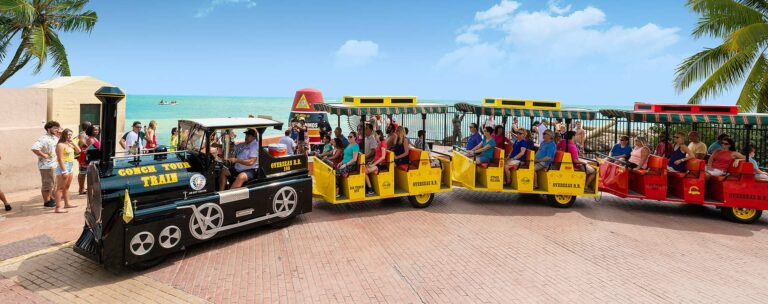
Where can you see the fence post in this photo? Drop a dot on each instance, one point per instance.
(423, 127)
(747, 138)
(629, 127)
(615, 129)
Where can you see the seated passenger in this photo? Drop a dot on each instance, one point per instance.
(243, 167)
(664, 148)
(622, 149)
(351, 153)
(544, 156)
(499, 137)
(716, 145)
(484, 150)
(327, 147)
(377, 162)
(517, 155)
(717, 164)
(699, 149)
(640, 153)
(750, 151)
(336, 154)
(680, 154)
(474, 137)
(574, 151)
(400, 147)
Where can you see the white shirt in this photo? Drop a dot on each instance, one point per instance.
(541, 130)
(288, 142)
(46, 144)
(247, 151)
(489, 123)
(131, 139)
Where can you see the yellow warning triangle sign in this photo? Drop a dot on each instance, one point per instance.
(302, 104)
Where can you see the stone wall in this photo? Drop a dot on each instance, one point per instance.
(24, 112)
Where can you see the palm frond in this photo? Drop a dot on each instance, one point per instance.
(722, 17)
(81, 23)
(751, 36)
(700, 66)
(58, 55)
(761, 100)
(37, 46)
(20, 10)
(750, 92)
(730, 73)
(759, 5)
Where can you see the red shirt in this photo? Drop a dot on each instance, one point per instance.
(382, 146)
(721, 160)
(571, 149)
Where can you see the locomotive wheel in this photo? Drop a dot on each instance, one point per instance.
(741, 215)
(421, 200)
(561, 201)
(210, 217)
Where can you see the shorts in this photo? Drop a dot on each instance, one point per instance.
(540, 166)
(761, 176)
(715, 172)
(483, 159)
(82, 169)
(233, 173)
(48, 178)
(67, 166)
(589, 169)
(342, 171)
(514, 162)
(670, 169)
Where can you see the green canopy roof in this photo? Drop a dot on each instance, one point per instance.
(520, 112)
(342, 109)
(739, 119)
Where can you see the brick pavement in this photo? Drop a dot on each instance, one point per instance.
(468, 247)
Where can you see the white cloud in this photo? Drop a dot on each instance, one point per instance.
(207, 10)
(558, 34)
(356, 53)
(473, 59)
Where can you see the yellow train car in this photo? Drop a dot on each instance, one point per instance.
(419, 180)
(561, 182)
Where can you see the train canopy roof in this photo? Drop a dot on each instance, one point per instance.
(738, 119)
(236, 123)
(343, 109)
(581, 114)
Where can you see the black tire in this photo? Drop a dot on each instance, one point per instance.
(741, 215)
(144, 265)
(561, 201)
(421, 201)
(283, 222)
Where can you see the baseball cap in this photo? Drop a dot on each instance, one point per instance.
(251, 132)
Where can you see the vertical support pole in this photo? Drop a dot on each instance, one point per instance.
(629, 127)
(695, 127)
(423, 127)
(567, 127)
(362, 123)
(338, 121)
(615, 130)
(748, 128)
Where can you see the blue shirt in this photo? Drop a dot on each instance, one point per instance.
(517, 147)
(344, 141)
(546, 149)
(754, 163)
(714, 147)
(488, 153)
(246, 151)
(288, 142)
(618, 151)
(349, 152)
(474, 140)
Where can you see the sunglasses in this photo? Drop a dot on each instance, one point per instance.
(677, 137)
(724, 144)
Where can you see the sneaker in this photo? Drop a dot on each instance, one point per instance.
(49, 204)
(8, 207)
(370, 192)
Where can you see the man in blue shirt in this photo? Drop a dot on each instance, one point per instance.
(622, 149)
(474, 137)
(337, 133)
(544, 156)
(243, 166)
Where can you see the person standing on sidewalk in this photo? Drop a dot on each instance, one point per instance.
(45, 150)
(2, 197)
(82, 140)
(65, 155)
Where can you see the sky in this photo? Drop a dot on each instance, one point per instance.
(579, 52)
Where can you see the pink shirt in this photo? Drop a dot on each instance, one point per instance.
(571, 149)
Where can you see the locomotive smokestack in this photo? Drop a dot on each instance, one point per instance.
(109, 97)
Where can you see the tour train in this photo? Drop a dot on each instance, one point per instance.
(143, 207)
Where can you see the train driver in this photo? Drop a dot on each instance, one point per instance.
(244, 166)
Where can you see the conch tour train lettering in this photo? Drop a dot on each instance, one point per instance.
(194, 193)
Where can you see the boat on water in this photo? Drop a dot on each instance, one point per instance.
(167, 102)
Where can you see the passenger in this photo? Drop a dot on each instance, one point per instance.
(640, 153)
(544, 156)
(65, 155)
(680, 154)
(543, 126)
(371, 142)
(517, 155)
(287, 141)
(499, 138)
(243, 167)
(717, 164)
(338, 134)
(348, 162)
(337, 153)
(391, 136)
(699, 149)
(716, 145)
(484, 151)
(421, 141)
(82, 163)
(574, 151)
(401, 148)
(327, 147)
(378, 161)
(535, 131)
(474, 137)
(514, 126)
(580, 138)
(407, 139)
(750, 152)
(622, 150)
(664, 148)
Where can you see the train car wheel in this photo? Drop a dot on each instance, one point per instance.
(421, 200)
(742, 215)
(561, 201)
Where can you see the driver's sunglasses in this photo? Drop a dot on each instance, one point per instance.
(137, 126)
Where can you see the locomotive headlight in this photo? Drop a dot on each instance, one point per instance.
(197, 182)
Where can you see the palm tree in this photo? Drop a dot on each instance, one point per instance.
(743, 26)
(37, 22)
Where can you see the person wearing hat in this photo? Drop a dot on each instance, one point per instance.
(243, 167)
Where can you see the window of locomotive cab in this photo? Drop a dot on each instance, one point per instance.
(193, 138)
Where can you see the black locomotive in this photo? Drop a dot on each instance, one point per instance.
(143, 207)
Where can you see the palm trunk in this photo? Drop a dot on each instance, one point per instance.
(14, 66)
